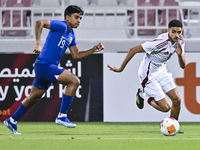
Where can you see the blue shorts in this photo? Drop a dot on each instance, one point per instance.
(46, 74)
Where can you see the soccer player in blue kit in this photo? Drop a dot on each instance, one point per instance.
(61, 36)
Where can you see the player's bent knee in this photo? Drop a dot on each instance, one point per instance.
(166, 109)
(76, 81)
(177, 101)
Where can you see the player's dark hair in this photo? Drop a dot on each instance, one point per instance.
(175, 23)
(73, 9)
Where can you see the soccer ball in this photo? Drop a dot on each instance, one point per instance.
(169, 126)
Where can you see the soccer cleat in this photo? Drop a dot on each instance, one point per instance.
(139, 99)
(180, 132)
(11, 127)
(64, 121)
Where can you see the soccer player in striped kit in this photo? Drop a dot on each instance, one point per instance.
(153, 75)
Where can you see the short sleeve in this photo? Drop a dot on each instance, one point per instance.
(149, 47)
(73, 42)
(57, 25)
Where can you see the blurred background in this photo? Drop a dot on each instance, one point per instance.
(122, 23)
(119, 25)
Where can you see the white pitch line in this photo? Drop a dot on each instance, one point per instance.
(169, 138)
(99, 138)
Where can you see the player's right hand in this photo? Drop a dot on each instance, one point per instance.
(98, 47)
(37, 49)
(115, 69)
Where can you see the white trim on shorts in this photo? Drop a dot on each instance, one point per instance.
(159, 86)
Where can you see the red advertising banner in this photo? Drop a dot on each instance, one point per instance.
(16, 77)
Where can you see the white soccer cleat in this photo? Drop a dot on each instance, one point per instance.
(64, 121)
(11, 127)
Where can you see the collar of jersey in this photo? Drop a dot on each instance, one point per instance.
(67, 31)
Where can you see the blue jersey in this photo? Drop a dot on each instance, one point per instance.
(60, 37)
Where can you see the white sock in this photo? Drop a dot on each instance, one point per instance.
(142, 94)
(13, 121)
(60, 115)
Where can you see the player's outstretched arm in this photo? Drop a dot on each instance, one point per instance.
(128, 57)
(40, 24)
(181, 56)
(76, 54)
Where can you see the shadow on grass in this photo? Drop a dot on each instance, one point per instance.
(88, 134)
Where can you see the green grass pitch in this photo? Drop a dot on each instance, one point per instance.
(98, 136)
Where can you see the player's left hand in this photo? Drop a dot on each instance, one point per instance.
(98, 47)
(179, 49)
(115, 69)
